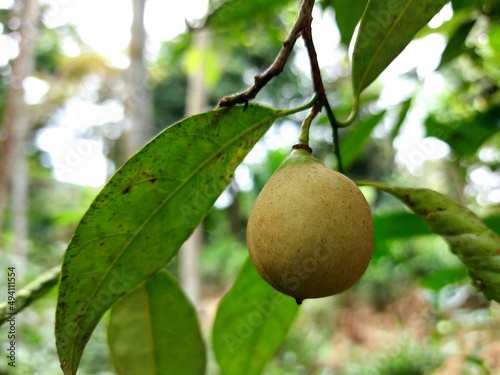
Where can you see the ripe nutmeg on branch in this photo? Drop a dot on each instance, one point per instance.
(310, 232)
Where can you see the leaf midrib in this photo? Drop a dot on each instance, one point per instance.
(379, 48)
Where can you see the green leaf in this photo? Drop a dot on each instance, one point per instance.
(494, 37)
(479, 362)
(235, 13)
(461, 4)
(144, 214)
(493, 222)
(388, 226)
(456, 44)
(347, 16)
(154, 330)
(466, 136)
(477, 246)
(386, 28)
(441, 278)
(251, 322)
(405, 107)
(354, 143)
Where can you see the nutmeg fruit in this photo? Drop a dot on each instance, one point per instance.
(310, 232)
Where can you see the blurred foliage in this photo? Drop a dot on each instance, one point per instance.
(48, 52)
(408, 359)
(347, 16)
(3, 92)
(236, 14)
(251, 53)
(246, 36)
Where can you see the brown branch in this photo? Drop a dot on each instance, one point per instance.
(302, 22)
(320, 90)
(302, 26)
(315, 71)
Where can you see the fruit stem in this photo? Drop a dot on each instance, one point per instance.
(374, 184)
(309, 104)
(352, 116)
(304, 129)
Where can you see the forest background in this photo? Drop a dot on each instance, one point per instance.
(84, 86)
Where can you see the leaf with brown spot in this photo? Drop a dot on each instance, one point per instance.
(386, 28)
(469, 238)
(144, 224)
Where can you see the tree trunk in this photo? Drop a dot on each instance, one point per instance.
(138, 104)
(196, 100)
(16, 127)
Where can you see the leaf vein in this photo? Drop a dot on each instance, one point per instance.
(233, 140)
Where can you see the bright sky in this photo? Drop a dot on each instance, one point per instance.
(108, 29)
(105, 25)
(76, 158)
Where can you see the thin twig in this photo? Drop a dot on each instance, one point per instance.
(302, 26)
(335, 134)
(315, 71)
(29, 294)
(320, 90)
(302, 21)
